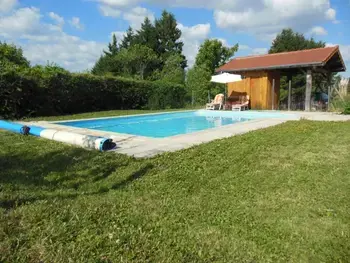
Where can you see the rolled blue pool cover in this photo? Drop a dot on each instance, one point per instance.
(87, 141)
(35, 131)
(106, 144)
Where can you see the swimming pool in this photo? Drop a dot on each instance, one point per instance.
(169, 124)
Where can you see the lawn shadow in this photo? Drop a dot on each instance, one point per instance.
(134, 176)
(26, 178)
(32, 170)
(12, 203)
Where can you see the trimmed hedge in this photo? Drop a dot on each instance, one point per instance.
(29, 93)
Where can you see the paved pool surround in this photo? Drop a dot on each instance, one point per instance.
(145, 147)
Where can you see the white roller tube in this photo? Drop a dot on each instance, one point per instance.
(86, 141)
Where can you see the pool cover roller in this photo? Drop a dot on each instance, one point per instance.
(86, 141)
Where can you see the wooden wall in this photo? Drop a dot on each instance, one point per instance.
(258, 85)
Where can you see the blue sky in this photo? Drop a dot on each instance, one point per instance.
(73, 33)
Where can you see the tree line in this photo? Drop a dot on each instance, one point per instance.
(155, 53)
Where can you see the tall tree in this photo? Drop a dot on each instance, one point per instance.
(12, 55)
(107, 64)
(113, 47)
(286, 41)
(211, 55)
(147, 35)
(129, 38)
(169, 37)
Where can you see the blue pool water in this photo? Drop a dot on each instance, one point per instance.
(168, 124)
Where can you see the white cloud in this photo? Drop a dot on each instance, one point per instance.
(330, 14)
(118, 3)
(109, 11)
(24, 20)
(318, 30)
(253, 51)
(259, 51)
(244, 47)
(42, 42)
(262, 18)
(119, 34)
(275, 15)
(209, 4)
(7, 5)
(58, 19)
(75, 22)
(198, 32)
(136, 16)
(68, 51)
(192, 37)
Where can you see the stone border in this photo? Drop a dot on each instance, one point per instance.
(145, 147)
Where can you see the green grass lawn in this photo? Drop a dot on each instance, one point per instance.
(101, 114)
(276, 195)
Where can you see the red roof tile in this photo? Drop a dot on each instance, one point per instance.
(303, 58)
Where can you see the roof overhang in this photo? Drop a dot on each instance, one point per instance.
(332, 63)
(301, 65)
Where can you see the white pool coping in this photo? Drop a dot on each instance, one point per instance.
(144, 147)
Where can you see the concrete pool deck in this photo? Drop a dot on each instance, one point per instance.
(145, 147)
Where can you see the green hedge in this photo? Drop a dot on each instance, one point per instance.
(30, 93)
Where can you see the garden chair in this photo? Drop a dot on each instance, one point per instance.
(216, 103)
(243, 105)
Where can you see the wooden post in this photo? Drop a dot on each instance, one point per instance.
(289, 92)
(329, 81)
(308, 90)
(273, 95)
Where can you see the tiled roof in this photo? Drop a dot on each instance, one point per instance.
(294, 59)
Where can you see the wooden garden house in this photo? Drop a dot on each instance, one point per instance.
(261, 74)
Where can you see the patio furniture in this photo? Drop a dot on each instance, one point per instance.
(242, 105)
(216, 103)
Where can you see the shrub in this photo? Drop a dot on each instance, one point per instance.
(41, 92)
(341, 104)
(347, 110)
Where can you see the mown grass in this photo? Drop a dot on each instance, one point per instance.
(274, 195)
(102, 114)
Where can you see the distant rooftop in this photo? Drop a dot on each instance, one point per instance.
(328, 58)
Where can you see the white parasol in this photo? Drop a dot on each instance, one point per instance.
(225, 78)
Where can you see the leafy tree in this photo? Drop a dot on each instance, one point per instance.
(12, 55)
(137, 59)
(198, 84)
(129, 39)
(211, 55)
(286, 41)
(169, 35)
(172, 70)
